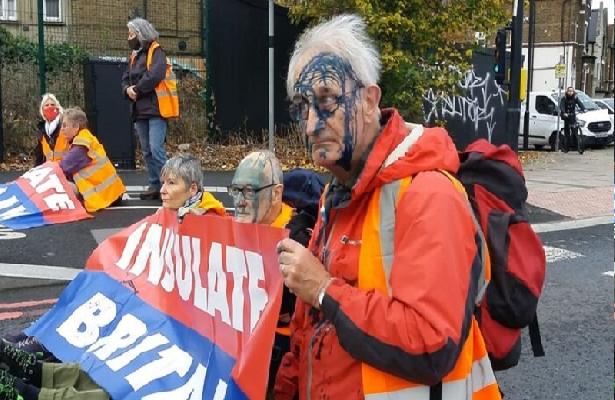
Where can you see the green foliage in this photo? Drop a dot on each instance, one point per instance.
(423, 44)
(59, 57)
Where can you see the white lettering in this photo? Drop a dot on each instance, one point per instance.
(216, 282)
(10, 202)
(168, 281)
(131, 247)
(171, 360)
(183, 271)
(193, 389)
(200, 293)
(258, 295)
(36, 175)
(82, 328)
(52, 182)
(125, 334)
(147, 344)
(13, 213)
(59, 201)
(236, 264)
(150, 250)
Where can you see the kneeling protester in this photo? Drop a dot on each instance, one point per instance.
(87, 165)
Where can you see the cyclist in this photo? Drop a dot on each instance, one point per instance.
(568, 112)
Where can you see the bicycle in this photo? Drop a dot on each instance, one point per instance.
(578, 135)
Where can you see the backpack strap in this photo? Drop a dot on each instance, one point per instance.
(485, 274)
(535, 338)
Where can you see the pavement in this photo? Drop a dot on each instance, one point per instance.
(570, 186)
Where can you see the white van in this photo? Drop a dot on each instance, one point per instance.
(594, 123)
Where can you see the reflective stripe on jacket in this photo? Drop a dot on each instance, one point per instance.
(98, 182)
(58, 151)
(472, 377)
(166, 90)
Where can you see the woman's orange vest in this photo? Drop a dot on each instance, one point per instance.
(472, 377)
(97, 182)
(166, 90)
(59, 150)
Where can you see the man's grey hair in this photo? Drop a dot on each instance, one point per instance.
(343, 35)
(146, 33)
(184, 167)
(52, 97)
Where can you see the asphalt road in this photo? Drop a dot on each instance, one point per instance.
(576, 322)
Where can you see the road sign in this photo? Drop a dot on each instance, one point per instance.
(560, 70)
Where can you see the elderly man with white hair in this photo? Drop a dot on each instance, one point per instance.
(387, 288)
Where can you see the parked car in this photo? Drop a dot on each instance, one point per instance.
(595, 124)
(606, 104)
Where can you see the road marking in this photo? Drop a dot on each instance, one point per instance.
(8, 234)
(24, 304)
(101, 234)
(609, 273)
(19, 314)
(31, 271)
(576, 224)
(557, 254)
(215, 189)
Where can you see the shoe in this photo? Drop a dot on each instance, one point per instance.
(15, 338)
(152, 193)
(19, 363)
(8, 387)
(31, 345)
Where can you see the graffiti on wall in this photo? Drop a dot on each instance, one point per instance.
(478, 108)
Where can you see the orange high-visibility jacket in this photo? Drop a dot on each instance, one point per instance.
(58, 151)
(397, 320)
(98, 181)
(166, 90)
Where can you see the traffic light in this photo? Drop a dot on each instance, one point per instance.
(499, 66)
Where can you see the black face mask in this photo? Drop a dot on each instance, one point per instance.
(134, 43)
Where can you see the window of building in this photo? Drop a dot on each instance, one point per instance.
(52, 10)
(8, 10)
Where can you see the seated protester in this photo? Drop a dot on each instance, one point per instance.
(257, 190)
(86, 164)
(23, 377)
(51, 144)
(182, 188)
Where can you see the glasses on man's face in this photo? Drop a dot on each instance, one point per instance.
(248, 192)
(325, 106)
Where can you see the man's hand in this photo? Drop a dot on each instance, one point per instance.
(132, 93)
(303, 273)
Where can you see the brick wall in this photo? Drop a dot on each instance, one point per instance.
(100, 26)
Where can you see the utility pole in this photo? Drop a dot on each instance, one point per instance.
(530, 73)
(513, 113)
(41, 49)
(271, 78)
(1, 117)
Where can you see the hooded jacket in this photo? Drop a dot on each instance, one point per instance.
(417, 331)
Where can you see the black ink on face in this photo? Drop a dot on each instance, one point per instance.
(329, 71)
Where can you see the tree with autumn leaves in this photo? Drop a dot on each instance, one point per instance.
(423, 43)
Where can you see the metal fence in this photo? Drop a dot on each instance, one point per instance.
(75, 30)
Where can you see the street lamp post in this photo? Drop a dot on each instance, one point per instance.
(530, 73)
(514, 103)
